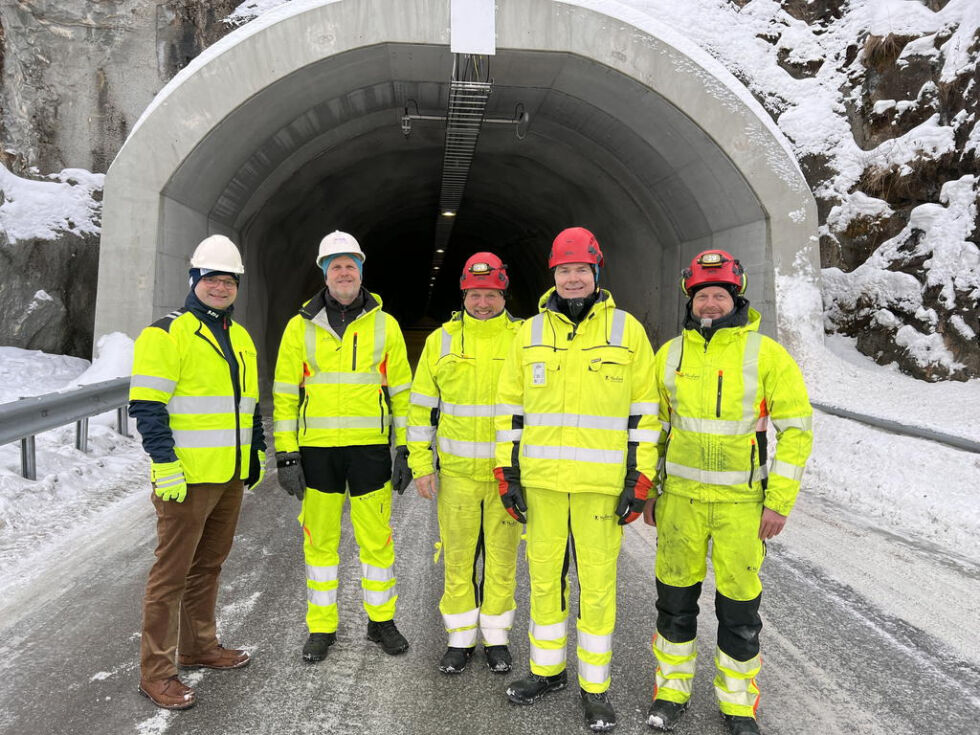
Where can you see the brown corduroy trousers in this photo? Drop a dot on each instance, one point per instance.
(193, 541)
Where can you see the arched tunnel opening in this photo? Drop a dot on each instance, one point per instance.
(277, 159)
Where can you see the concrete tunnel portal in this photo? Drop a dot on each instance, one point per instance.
(279, 135)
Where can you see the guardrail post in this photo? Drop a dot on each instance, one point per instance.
(122, 421)
(81, 435)
(28, 460)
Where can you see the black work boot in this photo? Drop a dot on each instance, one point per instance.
(599, 713)
(498, 659)
(663, 715)
(533, 686)
(741, 725)
(387, 636)
(315, 648)
(454, 660)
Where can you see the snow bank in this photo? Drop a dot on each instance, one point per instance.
(43, 210)
(71, 485)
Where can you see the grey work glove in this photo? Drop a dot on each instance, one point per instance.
(401, 475)
(289, 472)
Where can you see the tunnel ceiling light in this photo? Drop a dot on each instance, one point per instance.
(449, 213)
(440, 250)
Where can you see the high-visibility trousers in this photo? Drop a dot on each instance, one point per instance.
(684, 528)
(562, 528)
(474, 524)
(370, 516)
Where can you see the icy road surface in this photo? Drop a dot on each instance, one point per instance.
(864, 632)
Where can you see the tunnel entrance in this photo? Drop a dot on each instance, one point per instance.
(279, 135)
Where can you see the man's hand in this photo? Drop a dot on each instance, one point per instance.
(511, 494)
(401, 475)
(168, 480)
(289, 472)
(648, 511)
(426, 485)
(633, 498)
(771, 525)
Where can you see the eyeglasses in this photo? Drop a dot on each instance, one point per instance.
(225, 281)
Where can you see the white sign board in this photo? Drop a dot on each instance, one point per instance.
(472, 27)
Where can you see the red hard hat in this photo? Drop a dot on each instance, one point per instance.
(713, 268)
(484, 270)
(575, 245)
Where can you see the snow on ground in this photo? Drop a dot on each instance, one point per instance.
(71, 485)
(45, 209)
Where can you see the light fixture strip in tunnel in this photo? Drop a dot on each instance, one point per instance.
(467, 106)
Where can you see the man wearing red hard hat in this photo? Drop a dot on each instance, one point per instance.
(450, 428)
(577, 434)
(718, 382)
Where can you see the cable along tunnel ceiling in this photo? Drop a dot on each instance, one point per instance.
(323, 149)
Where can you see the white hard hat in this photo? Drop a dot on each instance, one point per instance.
(218, 253)
(339, 243)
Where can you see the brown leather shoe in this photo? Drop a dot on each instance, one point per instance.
(216, 658)
(169, 693)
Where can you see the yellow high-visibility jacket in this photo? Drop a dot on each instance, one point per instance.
(330, 392)
(712, 397)
(577, 405)
(178, 362)
(457, 379)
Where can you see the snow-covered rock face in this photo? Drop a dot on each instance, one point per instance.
(911, 213)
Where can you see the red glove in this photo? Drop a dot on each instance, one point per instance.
(633, 497)
(510, 493)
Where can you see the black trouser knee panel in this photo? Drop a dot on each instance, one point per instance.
(677, 612)
(738, 626)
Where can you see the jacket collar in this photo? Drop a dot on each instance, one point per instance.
(204, 312)
(322, 301)
(548, 303)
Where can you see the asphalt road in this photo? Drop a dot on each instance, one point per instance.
(864, 633)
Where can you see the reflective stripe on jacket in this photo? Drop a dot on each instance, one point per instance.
(577, 404)
(711, 398)
(457, 379)
(331, 391)
(178, 362)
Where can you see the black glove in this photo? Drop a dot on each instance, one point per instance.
(511, 494)
(634, 497)
(401, 475)
(289, 472)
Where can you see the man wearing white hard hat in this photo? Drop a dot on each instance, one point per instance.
(194, 394)
(342, 381)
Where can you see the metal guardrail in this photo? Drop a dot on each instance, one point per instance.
(22, 420)
(896, 427)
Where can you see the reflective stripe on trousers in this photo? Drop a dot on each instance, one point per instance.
(735, 685)
(462, 628)
(675, 669)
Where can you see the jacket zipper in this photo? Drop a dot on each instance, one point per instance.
(752, 463)
(306, 400)
(353, 359)
(381, 409)
(718, 401)
(244, 372)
